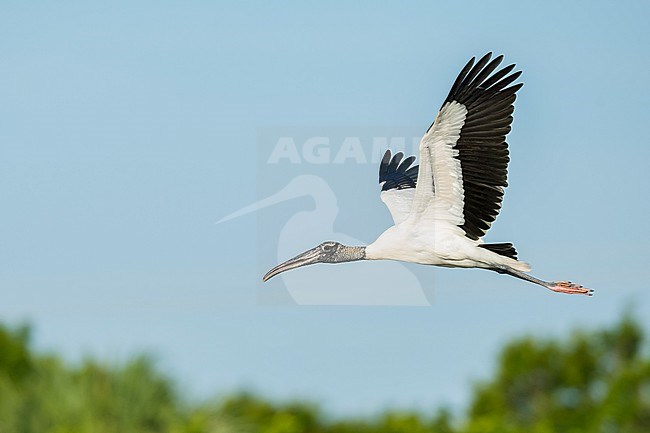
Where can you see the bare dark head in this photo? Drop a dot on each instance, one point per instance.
(327, 252)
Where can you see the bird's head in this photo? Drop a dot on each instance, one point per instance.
(327, 252)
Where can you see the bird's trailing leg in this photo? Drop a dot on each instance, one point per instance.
(556, 286)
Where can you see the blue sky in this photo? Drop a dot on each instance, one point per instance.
(127, 130)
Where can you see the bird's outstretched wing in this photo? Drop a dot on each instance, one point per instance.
(464, 154)
(397, 179)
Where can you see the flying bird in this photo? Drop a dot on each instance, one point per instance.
(443, 207)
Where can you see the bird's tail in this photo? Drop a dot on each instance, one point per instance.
(502, 249)
(520, 266)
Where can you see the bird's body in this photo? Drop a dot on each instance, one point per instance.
(443, 207)
(443, 245)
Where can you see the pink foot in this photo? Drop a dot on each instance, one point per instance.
(570, 288)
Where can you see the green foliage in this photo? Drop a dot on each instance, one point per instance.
(397, 422)
(590, 382)
(595, 382)
(91, 398)
(15, 359)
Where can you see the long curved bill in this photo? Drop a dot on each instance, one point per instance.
(307, 258)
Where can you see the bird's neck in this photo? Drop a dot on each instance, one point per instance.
(351, 254)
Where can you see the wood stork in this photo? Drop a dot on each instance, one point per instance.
(442, 213)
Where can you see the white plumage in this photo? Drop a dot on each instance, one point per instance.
(398, 202)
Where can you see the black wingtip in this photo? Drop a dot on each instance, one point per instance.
(479, 78)
(397, 173)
